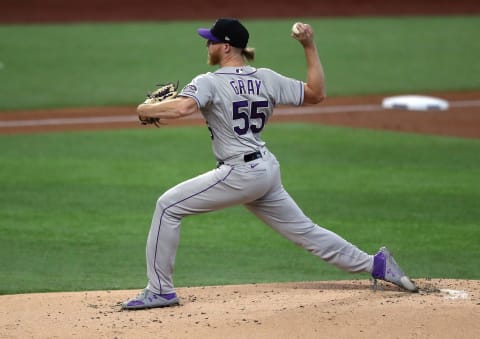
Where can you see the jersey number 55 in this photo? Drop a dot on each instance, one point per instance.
(252, 116)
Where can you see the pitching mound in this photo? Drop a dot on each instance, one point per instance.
(340, 309)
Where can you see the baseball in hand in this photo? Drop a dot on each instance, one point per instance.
(295, 30)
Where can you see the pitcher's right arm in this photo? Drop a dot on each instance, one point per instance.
(315, 91)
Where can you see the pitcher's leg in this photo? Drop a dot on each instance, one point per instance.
(280, 211)
(186, 198)
(161, 249)
(211, 191)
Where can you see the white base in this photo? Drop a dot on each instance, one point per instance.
(415, 103)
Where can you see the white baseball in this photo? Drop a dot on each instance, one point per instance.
(295, 28)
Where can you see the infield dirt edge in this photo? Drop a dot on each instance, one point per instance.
(341, 309)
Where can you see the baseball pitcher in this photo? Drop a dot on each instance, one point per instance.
(237, 101)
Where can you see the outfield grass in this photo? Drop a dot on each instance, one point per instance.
(116, 64)
(75, 207)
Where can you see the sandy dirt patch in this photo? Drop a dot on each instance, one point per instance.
(336, 309)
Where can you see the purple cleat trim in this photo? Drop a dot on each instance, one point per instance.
(169, 296)
(379, 263)
(135, 303)
(386, 268)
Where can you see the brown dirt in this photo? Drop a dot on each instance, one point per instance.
(462, 119)
(28, 11)
(340, 309)
(335, 309)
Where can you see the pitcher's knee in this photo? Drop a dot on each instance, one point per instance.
(167, 209)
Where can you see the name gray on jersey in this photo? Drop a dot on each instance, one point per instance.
(250, 86)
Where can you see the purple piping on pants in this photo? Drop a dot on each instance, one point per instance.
(161, 217)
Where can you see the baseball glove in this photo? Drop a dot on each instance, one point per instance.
(162, 93)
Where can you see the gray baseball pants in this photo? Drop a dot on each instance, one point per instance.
(257, 185)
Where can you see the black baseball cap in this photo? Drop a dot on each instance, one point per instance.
(227, 30)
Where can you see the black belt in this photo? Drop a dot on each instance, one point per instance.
(252, 156)
(247, 157)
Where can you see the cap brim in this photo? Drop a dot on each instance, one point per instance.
(206, 34)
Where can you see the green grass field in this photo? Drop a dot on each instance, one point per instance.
(75, 208)
(116, 64)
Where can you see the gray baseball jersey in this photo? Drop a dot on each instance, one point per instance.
(237, 102)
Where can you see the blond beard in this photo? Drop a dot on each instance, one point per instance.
(213, 59)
